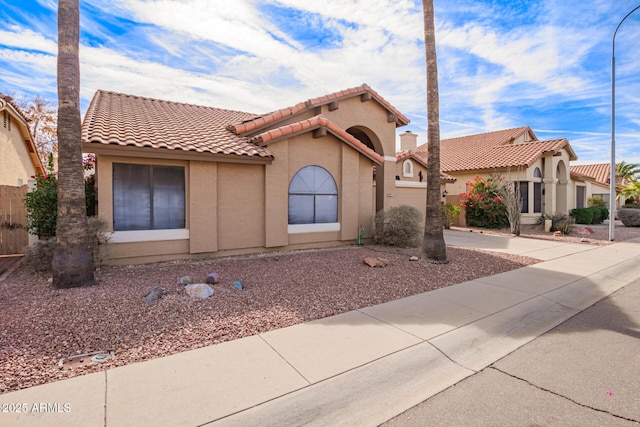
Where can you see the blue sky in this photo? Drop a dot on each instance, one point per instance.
(502, 64)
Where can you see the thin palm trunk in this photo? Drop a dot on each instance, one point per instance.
(433, 246)
(72, 261)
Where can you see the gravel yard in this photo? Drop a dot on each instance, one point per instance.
(40, 325)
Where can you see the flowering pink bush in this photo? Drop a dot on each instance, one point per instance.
(484, 206)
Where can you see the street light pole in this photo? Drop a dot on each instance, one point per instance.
(612, 176)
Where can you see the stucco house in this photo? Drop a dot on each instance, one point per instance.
(592, 180)
(541, 168)
(177, 180)
(19, 159)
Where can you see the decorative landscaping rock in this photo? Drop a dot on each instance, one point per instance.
(186, 280)
(375, 262)
(212, 278)
(629, 217)
(414, 258)
(153, 295)
(238, 285)
(557, 233)
(199, 290)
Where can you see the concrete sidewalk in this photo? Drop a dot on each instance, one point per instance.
(358, 368)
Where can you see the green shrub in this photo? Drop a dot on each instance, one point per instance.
(632, 205)
(600, 213)
(629, 217)
(582, 215)
(590, 215)
(484, 206)
(449, 214)
(42, 206)
(398, 226)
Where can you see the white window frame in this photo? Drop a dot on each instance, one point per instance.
(407, 173)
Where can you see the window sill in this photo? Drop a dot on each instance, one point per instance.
(148, 235)
(313, 228)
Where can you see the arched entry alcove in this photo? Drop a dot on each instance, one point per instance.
(562, 175)
(371, 140)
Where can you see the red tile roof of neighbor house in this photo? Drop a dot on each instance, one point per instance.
(313, 123)
(254, 124)
(127, 120)
(494, 150)
(599, 172)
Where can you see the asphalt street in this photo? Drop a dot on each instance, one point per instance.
(584, 372)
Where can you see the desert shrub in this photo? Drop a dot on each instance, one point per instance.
(632, 205)
(398, 226)
(484, 205)
(38, 256)
(449, 214)
(629, 217)
(596, 201)
(559, 222)
(582, 215)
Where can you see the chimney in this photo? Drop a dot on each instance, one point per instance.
(408, 141)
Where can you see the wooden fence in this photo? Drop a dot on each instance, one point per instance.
(13, 220)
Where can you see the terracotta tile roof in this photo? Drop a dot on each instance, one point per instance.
(126, 120)
(312, 124)
(598, 172)
(494, 150)
(408, 154)
(256, 123)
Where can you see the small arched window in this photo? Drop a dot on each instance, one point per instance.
(313, 197)
(537, 173)
(407, 169)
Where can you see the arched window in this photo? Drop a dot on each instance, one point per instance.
(537, 173)
(313, 197)
(407, 168)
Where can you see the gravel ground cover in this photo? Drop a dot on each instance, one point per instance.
(40, 325)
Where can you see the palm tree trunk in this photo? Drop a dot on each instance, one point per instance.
(72, 261)
(433, 246)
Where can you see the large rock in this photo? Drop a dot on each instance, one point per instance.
(212, 278)
(629, 217)
(199, 290)
(153, 295)
(375, 262)
(186, 280)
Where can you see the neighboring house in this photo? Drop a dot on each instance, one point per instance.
(19, 160)
(411, 176)
(177, 180)
(593, 181)
(19, 163)
(541, 168)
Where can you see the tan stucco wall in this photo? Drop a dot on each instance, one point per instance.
(241, 208)
(15, 161)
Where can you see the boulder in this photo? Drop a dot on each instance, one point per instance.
(154, 294)
(375, 262)
(199, 290)
(212, 278)
(184, 281)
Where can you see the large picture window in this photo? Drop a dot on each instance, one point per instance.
(148, 197)
(313, 197)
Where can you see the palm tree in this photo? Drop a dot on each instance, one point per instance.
(72, 261)
(433, 247)
(628, 171)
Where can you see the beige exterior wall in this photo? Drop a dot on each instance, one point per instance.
(16, 167)
(242, 208)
